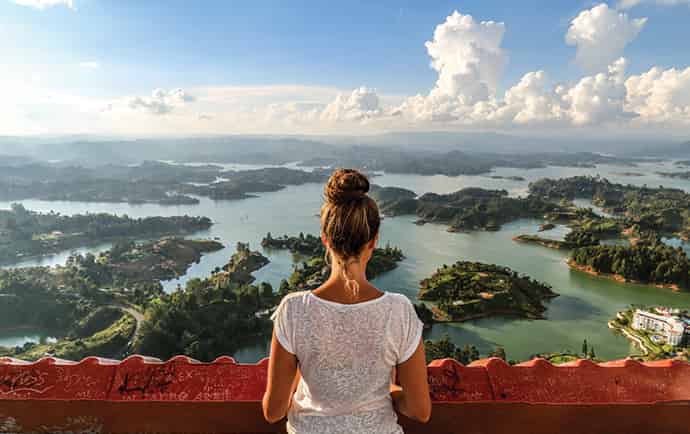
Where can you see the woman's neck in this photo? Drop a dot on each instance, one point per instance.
(347, 283)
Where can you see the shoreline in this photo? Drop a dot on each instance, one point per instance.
(618, 278)
(476, 316)
(637, 341)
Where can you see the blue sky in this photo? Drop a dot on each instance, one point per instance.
(105, 53)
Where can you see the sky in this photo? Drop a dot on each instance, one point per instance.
(176, 67)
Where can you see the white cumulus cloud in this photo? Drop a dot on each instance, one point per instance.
(160, 102)
(43, 4)
(469, 59)
(361, 104)
(660, 95)
(600, 35)
(599, 98)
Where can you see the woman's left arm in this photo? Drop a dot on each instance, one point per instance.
(283, 376)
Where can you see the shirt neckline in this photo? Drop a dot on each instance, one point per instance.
(349, 305)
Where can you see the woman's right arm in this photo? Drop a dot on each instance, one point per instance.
(412, 397)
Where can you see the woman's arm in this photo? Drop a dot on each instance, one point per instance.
(282, 381)
(412, 397)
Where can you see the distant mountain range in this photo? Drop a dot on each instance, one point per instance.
(280, 150)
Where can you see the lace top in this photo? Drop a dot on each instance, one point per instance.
(346, 355)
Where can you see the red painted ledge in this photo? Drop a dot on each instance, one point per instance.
(143, 394)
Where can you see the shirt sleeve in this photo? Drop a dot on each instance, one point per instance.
(282, 326)
(411, 329)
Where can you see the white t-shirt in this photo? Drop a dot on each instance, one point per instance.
(346, 355)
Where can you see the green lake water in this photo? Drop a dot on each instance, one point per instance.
(585, 304)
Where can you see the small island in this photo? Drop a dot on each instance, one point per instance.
(509, 178)
(470, 290)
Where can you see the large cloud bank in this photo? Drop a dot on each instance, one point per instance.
(468, 57)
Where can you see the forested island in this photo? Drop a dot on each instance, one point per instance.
(25, 233)
(650, 262)
(675, 175)
(469, 290)
(467, 209)
(148, 182)
(313, 270)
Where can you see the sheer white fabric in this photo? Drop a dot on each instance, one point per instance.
(346, 355)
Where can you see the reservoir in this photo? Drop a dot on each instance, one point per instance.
(585, 305)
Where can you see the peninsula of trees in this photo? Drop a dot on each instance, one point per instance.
(467, 209)
(648, 261)
(148, 182)
(25, 233)
(91, 303)
(470, 290)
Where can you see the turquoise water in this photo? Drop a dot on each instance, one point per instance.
(584, 307)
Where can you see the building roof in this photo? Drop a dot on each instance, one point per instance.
(677, 326)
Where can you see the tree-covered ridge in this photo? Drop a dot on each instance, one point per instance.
(212, 316)
(648, 261)
(468, 290)
(452, 163)
(25, 233)
(676, 175)
(573, 239)
(312, 270)
(661, 210)
(148, 182)
(467, 209)
(43, 297)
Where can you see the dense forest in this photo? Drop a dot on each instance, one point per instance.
(148, 182)
(466, 209)
(661, 210)
(312, 270)
(647, 262)
(25, 233)
(212, 316)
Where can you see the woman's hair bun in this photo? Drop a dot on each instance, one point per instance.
(346, 186)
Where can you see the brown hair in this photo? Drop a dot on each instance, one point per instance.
(349, 217)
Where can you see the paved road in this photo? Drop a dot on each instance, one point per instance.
(138, 317)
